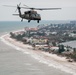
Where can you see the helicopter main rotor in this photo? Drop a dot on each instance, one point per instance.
(27, 7)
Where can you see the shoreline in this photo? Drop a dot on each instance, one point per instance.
(43, 57)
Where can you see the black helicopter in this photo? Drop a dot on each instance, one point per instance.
(31, 14)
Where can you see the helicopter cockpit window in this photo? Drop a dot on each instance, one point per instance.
(33, 15)
(37, 15)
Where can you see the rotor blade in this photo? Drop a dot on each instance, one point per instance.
(19, 4)
(47, 8)
(26, 6)
(41, 8)
(9, 6)
(12, 6)
(15, 10)
(15, 14)
(34, 8)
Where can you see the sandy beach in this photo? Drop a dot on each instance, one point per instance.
(43, 57)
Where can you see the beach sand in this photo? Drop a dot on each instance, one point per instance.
(51, 60)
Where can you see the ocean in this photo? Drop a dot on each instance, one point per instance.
(6, 26)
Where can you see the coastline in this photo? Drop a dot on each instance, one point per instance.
(43, 57)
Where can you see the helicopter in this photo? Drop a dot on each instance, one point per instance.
(30, 14)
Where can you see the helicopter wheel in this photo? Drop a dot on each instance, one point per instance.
(28, 20)
(21, 20)
(37, 21)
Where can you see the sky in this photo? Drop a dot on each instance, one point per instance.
(68, 11)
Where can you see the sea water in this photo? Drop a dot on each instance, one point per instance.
(6, 26)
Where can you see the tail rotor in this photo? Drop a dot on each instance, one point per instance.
(18, 6)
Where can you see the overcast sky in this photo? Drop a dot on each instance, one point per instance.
(68, 11)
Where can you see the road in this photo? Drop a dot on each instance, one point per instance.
(14, 62)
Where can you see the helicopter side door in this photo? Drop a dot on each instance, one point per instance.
(27, 14)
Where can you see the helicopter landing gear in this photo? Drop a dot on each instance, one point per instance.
(28, 21)
(21, 20)
(37, 21)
